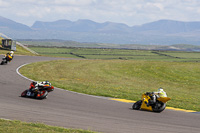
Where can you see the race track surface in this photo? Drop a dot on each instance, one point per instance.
(71, 110)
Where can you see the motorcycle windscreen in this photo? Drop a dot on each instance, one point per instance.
(163, 99)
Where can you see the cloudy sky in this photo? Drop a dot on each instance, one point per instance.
(130, 12)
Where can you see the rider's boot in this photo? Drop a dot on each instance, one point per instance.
(150, 102)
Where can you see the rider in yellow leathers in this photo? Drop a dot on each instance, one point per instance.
(155, 95)
(9, 56)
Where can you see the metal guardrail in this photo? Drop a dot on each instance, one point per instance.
(4, 36)
(27, 48)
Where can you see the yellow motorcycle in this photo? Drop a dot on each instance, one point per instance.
(7, 58)
(145, 103)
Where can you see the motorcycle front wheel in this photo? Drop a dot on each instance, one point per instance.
(24, 93)
(137, 105)
(2, 62)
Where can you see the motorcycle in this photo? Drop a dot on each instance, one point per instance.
(40, 93)
(144, 104)
(6, 59)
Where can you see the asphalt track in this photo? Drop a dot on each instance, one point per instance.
(72, 110)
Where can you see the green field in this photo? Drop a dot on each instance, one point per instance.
(122, 54)
(7, 126)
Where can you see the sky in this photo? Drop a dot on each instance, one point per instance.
(130, 12)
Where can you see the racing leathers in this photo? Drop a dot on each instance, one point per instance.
(35, 86)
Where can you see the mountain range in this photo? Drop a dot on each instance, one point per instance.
(161, 32)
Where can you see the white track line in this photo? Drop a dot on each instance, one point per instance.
(17, 71)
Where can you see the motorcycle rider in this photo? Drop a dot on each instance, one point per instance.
(155, 95)
(35, 85)
(9, 56)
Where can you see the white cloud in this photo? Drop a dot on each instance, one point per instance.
(74, 2)
(4, 4)
(131, 12)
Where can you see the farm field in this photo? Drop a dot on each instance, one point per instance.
(122, 54)
(127, 78)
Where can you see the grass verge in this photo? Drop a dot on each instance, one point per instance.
(126, 79)
(20, 51)
(8, 126)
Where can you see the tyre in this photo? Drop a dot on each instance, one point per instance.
(42, 95)
(137, 105)
(24, 93)
(2, 62)
(159, 107)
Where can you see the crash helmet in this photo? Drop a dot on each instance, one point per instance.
(34, 82)
(11, 52)
(160, 89)
(162, 93)
(46, 83)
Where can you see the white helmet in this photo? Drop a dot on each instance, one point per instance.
(160, 90)
(11, 52)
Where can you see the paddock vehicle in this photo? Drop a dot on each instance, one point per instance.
(40, 93)
(7, 58)
(158, 106)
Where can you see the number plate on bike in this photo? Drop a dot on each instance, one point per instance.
(28, 93)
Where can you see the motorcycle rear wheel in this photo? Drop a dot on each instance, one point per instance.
(42, 95)
(159, 107)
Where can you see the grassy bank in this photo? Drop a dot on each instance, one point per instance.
(125, 79)
(20, 51)
(7, 126)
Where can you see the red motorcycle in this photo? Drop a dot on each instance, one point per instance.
(40, 93)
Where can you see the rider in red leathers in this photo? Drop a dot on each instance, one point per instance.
(34, 86)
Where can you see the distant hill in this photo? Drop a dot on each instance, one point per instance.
(81, 25)
(168, 27)
(9, 24)
(162, 32)
(161, 26)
